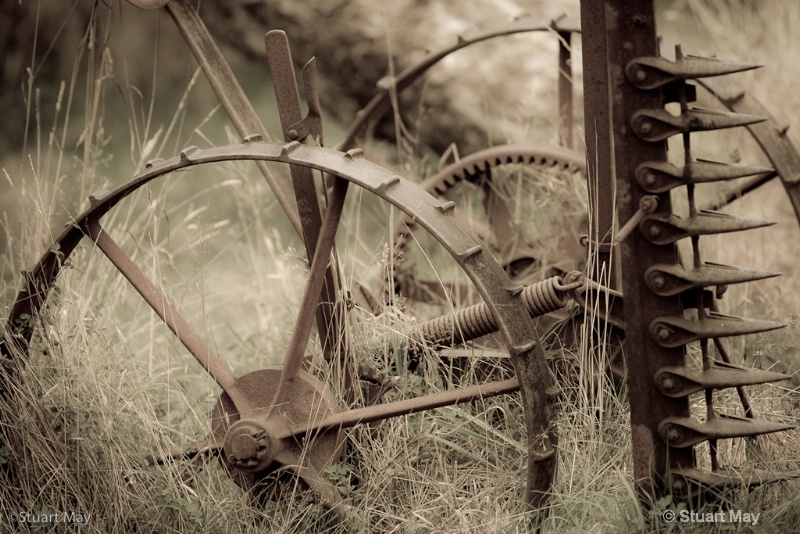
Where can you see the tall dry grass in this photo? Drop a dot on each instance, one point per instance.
(105, 384)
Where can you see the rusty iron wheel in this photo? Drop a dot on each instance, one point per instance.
(256, 432)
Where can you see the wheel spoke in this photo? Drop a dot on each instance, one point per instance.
(316, 277)
(405, 407)
(158, 301)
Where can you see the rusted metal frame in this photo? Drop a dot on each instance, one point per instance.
(362, 416)
(279, 57)
(536, 385)
(169, 314)
(388, 410)
(293, 361)
(598, 138)
(380, 104)
(630, 30)
(565, 96)
(230, 95)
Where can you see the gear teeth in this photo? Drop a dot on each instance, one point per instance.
(680, 381)
(658, 124)
(672, 279)
(662, 176)
(654, 72)
(684, 432)
(673, 332)
(666, 228)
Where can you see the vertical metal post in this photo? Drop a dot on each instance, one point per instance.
(565, 89)
(614, 32)
(597, 128)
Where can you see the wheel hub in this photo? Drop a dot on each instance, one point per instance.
(249, 445)
(251, 451)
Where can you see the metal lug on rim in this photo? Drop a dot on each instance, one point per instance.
(679, 381)
(654, 72)
(658, 124)
(678, 331)
(153, 162)
(662, 176)
(189, 153)
(667, 280)
(97, 197)
(252, 138)
(683, 432)
(689, 481)
(666, 228)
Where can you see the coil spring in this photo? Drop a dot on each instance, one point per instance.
(475, 321)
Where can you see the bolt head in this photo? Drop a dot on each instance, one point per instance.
(659, 282)
(645, 127)
(663, 333)
(641, 74)
(669, 384)
(654, 230)
(293, 134)
(650, 179)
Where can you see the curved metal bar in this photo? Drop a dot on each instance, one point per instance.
(438, 218)
(381, 102)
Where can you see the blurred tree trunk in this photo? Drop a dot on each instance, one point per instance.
(489, 93)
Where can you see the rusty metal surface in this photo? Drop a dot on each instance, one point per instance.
(474, 166)
(619, 43)
(680, 381)
(598, 137)
(667, 228)
(683, 432)
(230, 94)
(294, 126)
(672, 279)
(565, 89)
(771, 134)
(629, 27)
(503, 300)
(659, 124)
(254, 448)
(654, 72)
(676, 331)
(658, 380)
(380, 104)
(662, 176)
(160, 303)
